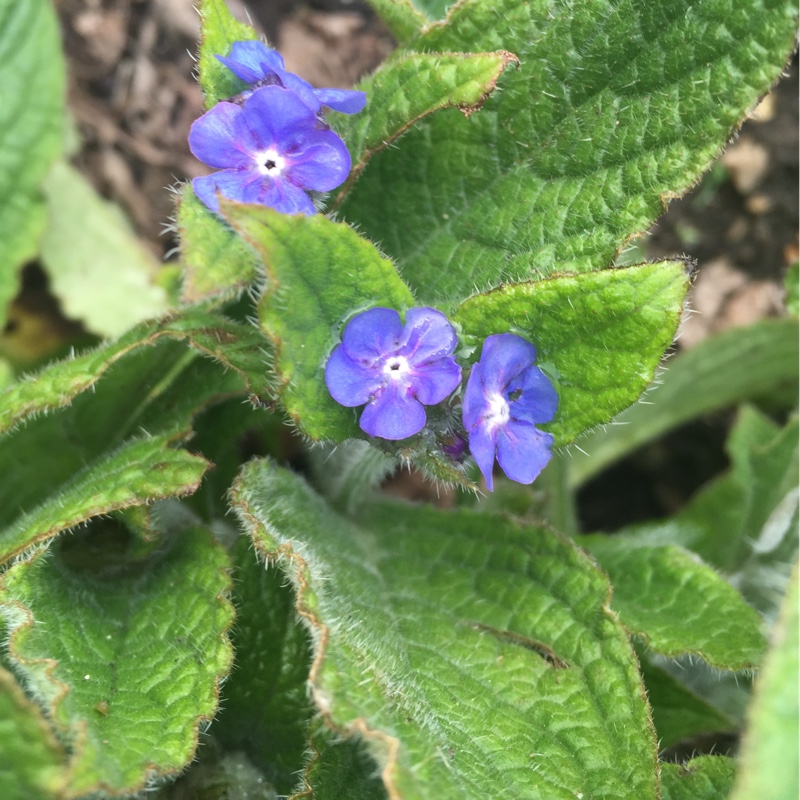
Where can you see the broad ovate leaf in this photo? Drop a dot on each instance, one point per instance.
(466, 661)
(599, 335)
(141, 648)
(318, 274)
(678, 605)
(616, 107)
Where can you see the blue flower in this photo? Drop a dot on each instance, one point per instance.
(254, 63)
(505, 398)
(269, 152)
(395, 368)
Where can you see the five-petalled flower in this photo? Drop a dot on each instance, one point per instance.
(506, 397)
(394, 369)
(255, 64)
(269, 151)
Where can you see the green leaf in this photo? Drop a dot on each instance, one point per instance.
(219, 29)
(318, 274)
(616, 107)
(217, 262)
(31, 761)
(401, 18)
(237, 347)
(266, 708)
(678, 714)
(678, 605)
(100, 272)
(703, 778)
(140, 651)
(769, 759)
(793, 288)
(407, 88)
(137, 473)
(602, 334)
(721, 371)
(466, 661)
(31, 129)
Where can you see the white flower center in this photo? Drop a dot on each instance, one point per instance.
(396, 368)
(498, 413)
(270, 163)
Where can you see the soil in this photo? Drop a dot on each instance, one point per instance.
(133, 96)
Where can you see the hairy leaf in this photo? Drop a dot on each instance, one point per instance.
(601, 334)
(677, 604)
(100, 272)
(219, 29)
(319, 273)
(401, 18)
(466, 661)
(409, 87)
(678, 714)
(31, 129)
(616, 106)
(217, 262)
(733, 366)
(769, 759)
(32, 763)
(703, 778)
(140, 650)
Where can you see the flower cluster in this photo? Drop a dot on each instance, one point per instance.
(270, 143)
(394, 369)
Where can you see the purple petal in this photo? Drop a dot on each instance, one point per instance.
(539, 400)
(249, 186)
(250, 61)
(393, 414)
(342, 100)
(322, 163)
(504, 356)
(349, 382)
(373, 334)
(231, 183)
(522, 450)
(434, 381)
(303, 89)
(221, 138)
(278, 118)
(482, 448)
(474, 405)
(428, 335)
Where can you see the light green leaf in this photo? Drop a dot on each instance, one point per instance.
(401, 18)
(237, 347)
(721, 371)
(31, 761)
(217, 262)
(467, 661)
(219, 29)
(137, 473)
(677, 604)
(603, 334)
(792, 284)
(100, 272)
(409, 87)
(433, 9)
(31, 129)
(769, 759)
(678, 714)
(319, 273)
(266, 709)
(616, 107)
(140, 651)
(703, 778)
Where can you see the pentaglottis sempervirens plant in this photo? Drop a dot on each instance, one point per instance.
(416, 273)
